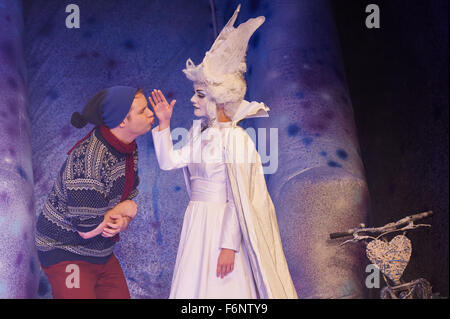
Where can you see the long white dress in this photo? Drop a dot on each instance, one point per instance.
(210, 221)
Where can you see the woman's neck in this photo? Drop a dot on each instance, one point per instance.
(221, 117)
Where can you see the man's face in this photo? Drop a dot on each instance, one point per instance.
(140, 118)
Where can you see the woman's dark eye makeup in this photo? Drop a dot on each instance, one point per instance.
(200, 94)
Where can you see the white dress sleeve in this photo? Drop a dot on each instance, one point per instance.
(231, 236)
(168, 158)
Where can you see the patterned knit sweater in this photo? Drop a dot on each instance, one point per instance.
(90, 182)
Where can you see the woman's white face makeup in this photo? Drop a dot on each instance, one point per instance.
(200, 100)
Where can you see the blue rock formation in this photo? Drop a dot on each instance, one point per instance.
(19, 268)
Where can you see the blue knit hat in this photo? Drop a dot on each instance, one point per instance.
(108, 107)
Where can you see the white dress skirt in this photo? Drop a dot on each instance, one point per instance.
(210, 224)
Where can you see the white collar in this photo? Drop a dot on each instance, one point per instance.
(249, 110)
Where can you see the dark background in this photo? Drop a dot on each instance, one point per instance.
(398, 81)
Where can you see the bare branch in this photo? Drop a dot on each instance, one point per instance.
(406, 223)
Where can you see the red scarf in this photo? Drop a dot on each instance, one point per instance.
(127, 149)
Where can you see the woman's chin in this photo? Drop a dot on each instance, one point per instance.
(198, 113)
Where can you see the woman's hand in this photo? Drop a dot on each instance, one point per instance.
(161, 108)
(225, 263)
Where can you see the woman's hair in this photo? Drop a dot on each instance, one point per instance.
(230, 93)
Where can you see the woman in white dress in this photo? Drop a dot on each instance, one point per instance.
(229, 245)
(211, 262)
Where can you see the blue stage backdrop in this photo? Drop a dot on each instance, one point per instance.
(294, 66)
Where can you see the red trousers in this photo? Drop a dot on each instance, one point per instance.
(83, 280)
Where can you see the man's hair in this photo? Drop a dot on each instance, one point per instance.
(139, 91)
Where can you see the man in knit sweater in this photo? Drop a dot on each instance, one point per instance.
(91, 201)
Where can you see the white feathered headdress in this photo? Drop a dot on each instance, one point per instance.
(223, 67)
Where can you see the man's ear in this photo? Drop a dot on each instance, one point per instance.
(122, 125)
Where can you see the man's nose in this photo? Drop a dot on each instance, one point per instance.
(150, 113)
